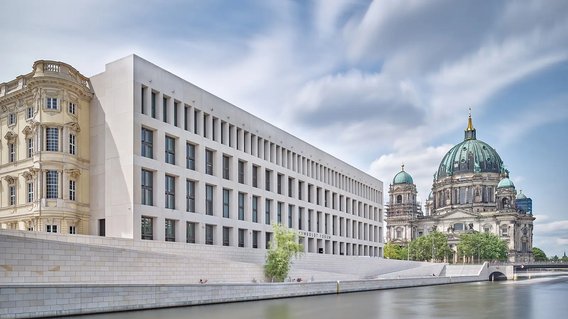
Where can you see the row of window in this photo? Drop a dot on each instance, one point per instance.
(52, 144)
(148, 233)
(208, 126)
(51, 189)
(315, 195)
(51, 103)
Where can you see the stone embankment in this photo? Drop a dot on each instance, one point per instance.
(53, 275)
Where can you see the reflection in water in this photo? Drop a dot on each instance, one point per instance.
(537, 298)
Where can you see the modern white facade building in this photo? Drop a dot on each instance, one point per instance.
(172, 162)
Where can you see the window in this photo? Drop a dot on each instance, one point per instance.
(290, 187)
(170, 192)
(29, 112)
(268, 237)
(255, 234)
(254, 176)
(102, 227)
(30, 191)
(190, 195)
(268, 204)
(51, 103)
(176, 105)
(72, 144)
(279, 183)
(226, 236)
(290, 211)
(12, 191)
(170, 230)
(170, 150)
(51, 181)
(147, 143)
(147, 228)
(226, 202)
(29, 147)
(300, 189)
(153, 106)
(52, 139)
(147, 187)
(268, 177)
(72, 190)
(12, 118)
(241, 206)
(209, 162)
(241, 172)
(143, 99)
(242, 233)
(72, 230)
(190, 156)
(255, 209)
(279, 207)
(226, 162)
(209, 234)
(209, 199)
(165, 109)
(51, 228)
(11, 152)
(190, 233)
(72, 108)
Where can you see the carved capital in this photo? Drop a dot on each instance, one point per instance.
(73, 126)
(10, 179)
(73, 173)
(10, 137)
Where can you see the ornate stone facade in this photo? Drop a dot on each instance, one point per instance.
(471, 191)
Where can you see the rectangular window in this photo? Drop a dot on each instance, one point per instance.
(254, 176)
(241, 172)
(12, 191)
(190, 156)
(147, 139)
(209, 234)
(190, 195)
(11, 152)
(241, 206)
(190, 233)
(72, 108)
(29, 113)
(143, 100)
(30, 191)
(196, 121)
(170, 230)
(170, 192)
(268, 204)
(279, 180)
(242, 233)
(72, 144)
(51, 228)
(165, 109)
(51, 181)
(153, 106)
(72, 230)
(209, 162)
(52, 139)
(268, 178)
(226, 163)
(51, 103)
(290, 211)
(226, 236)
(255, 234)
(290, 187)
(147, 185)
(268, 237)
(226, 202)
(102, 227)
(300, 189)
(72, 190)
(147, 228)
(12, 118)
(176, 106)
(279, 207)
(170, 149)
(205, 125)
(209, 199)
(255, 209)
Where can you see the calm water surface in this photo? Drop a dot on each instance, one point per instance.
(536, 298)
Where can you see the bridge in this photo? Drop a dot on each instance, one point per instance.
(504, 271)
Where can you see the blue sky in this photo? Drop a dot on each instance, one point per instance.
(391, 81)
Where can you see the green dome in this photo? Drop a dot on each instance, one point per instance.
(402, 178)
(520, 195)
(470, 156)
(505, 183)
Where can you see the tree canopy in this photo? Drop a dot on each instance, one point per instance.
(433, 246)
(482, 246)
(393, 251)
(539, 254)
(279, 256)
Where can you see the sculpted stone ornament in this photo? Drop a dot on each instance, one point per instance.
(10, 179)
(10, 136)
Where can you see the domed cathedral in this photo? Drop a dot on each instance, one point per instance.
(472, 192)
(44, 162)
(403, 210)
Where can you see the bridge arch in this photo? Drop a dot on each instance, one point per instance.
(497, 276)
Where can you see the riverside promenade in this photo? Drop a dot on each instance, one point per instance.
(53, 275)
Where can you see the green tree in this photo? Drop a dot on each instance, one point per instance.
(279, 256)
(482, 246)
(393, 251)
(564, 258)
(539, 254)
(433, 246)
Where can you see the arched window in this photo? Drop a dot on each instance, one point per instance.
(399, 199)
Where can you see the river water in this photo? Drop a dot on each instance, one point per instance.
(534, 298)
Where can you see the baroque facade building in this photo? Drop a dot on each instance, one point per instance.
(137, 152)
(471, 191)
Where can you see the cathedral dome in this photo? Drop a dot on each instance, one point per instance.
(402, 178)
(505, 183)
(520, 195)
(470, 156)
